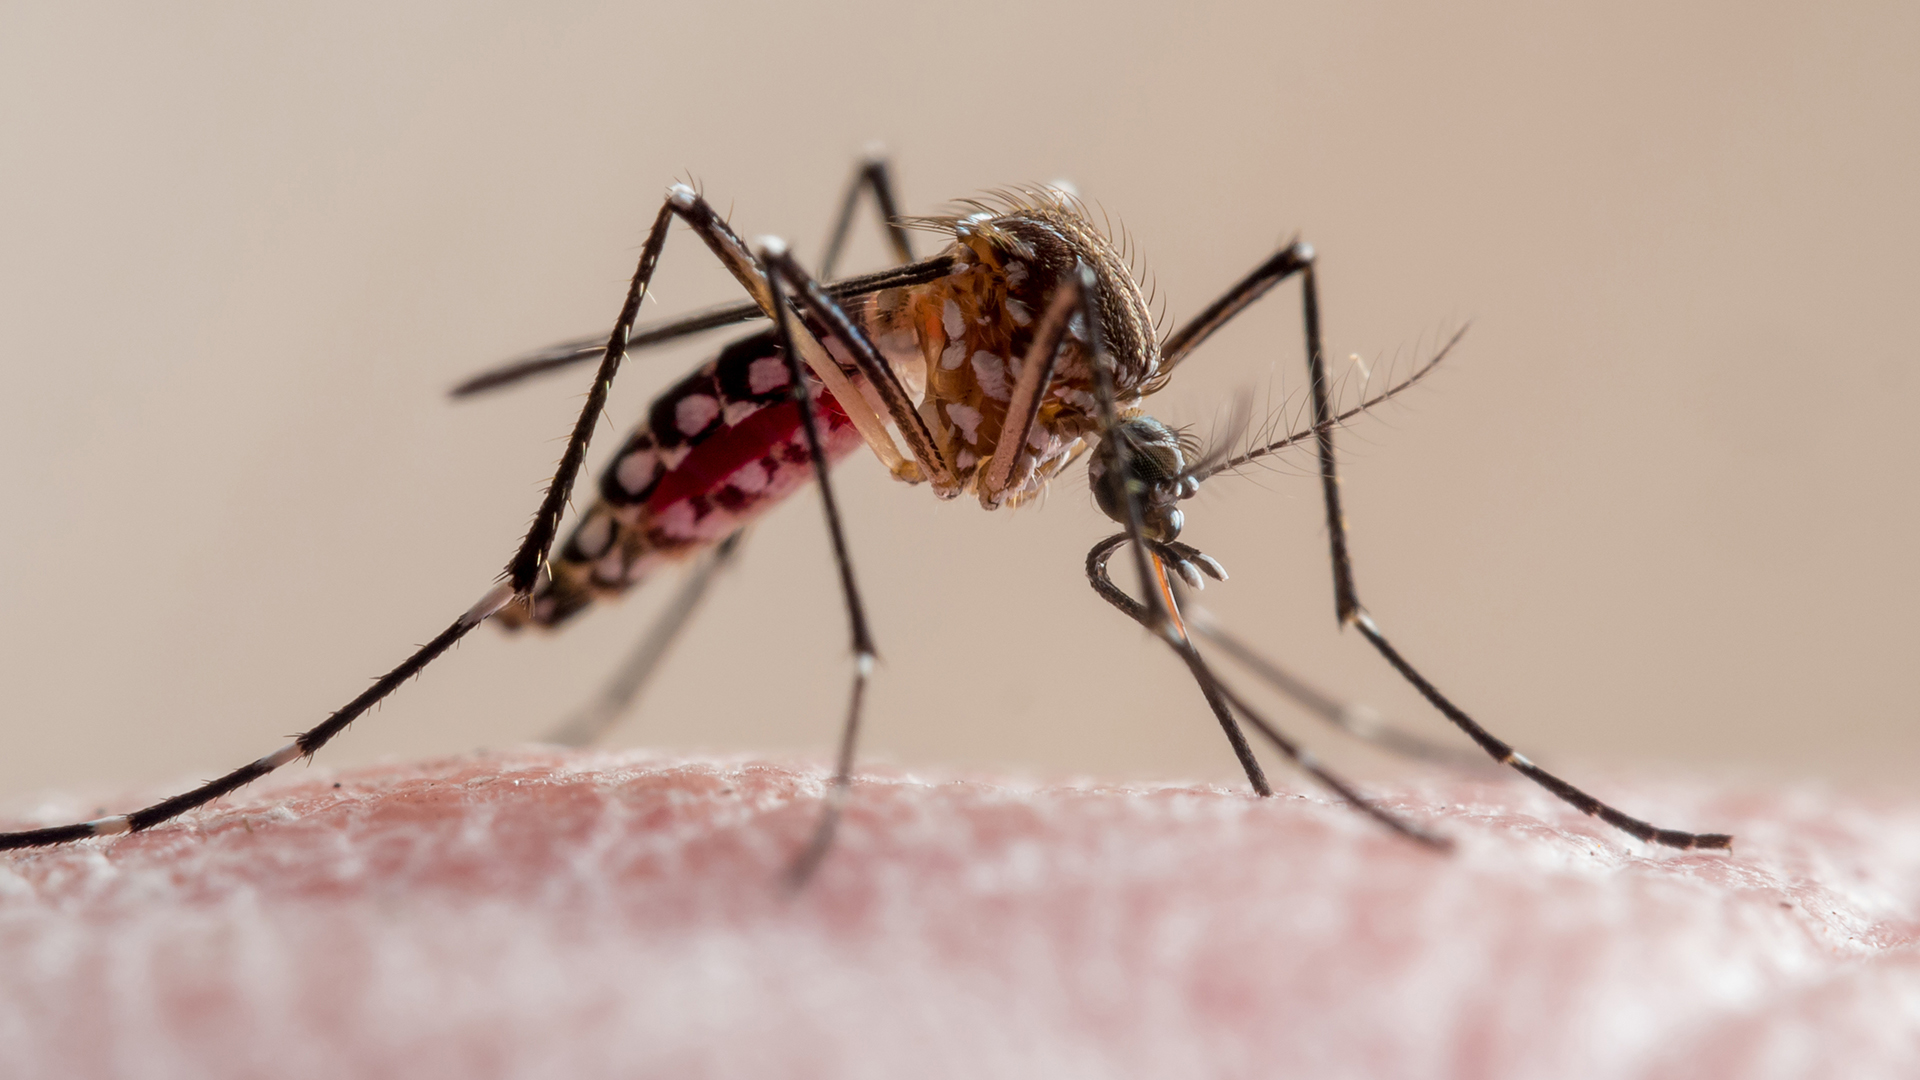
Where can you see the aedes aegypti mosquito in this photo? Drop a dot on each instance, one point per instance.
(1025, 344)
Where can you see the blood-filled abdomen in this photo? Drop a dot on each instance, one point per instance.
(719, 447)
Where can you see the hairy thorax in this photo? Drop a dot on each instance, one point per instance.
(969, 333)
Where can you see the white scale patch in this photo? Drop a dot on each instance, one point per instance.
(1016, 273)
(966, 418)
(767, 374)
(692, 414)
(594, 536)
(676, 521)
(750, 478)
(991, 373)
(1022, 314)
(953, 355)
(637, 470)
(611, 570)
(954, 322)
(737, 411)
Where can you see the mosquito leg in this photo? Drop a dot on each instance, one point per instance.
(1356, 720)
(1220, 696)
(524, 569)
(303, 746)
(1279, 266)
(685, 203)
(592, 722)
(1023, 405)
(1297, 258)
(774, 254)
(1350, 612)
(832, 320)
(580, 350)
(1143, 614)
(872, 175)
(1157, 615)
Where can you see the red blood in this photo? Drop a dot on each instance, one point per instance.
(707, 467)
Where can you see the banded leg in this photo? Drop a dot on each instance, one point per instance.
(683, 202)
(303, 746)
(781, 275)
(1298, 258)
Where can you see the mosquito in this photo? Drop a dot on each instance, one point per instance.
(1025, 345)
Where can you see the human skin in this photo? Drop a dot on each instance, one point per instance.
(539, 913)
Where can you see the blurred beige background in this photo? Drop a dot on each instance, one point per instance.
(1660, 508)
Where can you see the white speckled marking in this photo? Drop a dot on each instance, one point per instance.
(495, 599)
(592, 538)
(692, 414)
(110, 826)
(952, 321)
(991, 372)
(767, 374)
(281, 756)
(750, 478)
(610, 570)
(637, 470)
(966, 418)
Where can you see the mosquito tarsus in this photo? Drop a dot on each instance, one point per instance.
(986, 369)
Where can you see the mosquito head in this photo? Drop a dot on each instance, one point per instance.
(1155, 462)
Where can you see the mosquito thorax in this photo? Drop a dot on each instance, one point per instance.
(1157, 468)
(971, 330)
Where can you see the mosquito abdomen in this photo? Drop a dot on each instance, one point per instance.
(716, 450)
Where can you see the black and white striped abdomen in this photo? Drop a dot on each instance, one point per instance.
(716, 449)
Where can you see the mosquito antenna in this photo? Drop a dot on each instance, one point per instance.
(1314, 431)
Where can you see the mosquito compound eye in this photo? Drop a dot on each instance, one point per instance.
(1153, 462)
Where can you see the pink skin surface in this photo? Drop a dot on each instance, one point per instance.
(544, 914)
